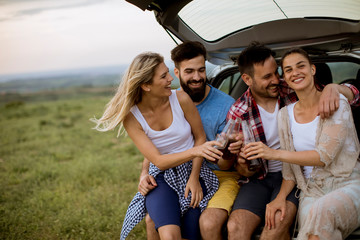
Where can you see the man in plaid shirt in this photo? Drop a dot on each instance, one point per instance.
(259, 106)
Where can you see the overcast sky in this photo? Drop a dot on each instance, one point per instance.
(43, 35)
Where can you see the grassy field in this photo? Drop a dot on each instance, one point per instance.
(59, 178)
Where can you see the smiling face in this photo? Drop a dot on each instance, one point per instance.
(264, 83)
(192, 76)
(298, 72)
(161, 82)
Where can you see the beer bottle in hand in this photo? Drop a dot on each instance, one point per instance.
(255, 164)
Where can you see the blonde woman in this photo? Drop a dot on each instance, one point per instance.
(321, 156)
(165, 126)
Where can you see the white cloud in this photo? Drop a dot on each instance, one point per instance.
(79, 35)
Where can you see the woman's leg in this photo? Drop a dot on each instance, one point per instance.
(313, 237)
(170, 232)
(190, 227)
(162, 204)
(332, 216)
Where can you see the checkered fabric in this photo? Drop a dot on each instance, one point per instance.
(176, 178)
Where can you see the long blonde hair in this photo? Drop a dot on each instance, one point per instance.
(141, 71)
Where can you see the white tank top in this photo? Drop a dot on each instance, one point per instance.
(177, 137)
(304, 135)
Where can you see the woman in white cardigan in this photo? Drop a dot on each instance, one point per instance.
(320, 156)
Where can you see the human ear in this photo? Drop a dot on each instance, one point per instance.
(145, 87)
(313, 69)
(247, 79)
(176, 72)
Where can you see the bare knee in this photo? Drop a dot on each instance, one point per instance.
(211, 223)
(207, 224)
(233, 226)
(242, 223)
(170, 232)
(313, 237)
(281, 230)
(213, 218)
(282, 224)
(169, 236)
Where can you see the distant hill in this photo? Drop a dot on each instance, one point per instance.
(40, 81)
(85, 77)
(112, 70)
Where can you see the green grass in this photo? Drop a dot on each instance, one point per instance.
(59, 178)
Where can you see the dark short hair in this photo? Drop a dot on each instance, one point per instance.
(255, 53)
(187, 50)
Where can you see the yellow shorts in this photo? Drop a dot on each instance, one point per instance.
(228, 189)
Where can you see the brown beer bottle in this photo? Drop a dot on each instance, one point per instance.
(255, 164)
(226, 137)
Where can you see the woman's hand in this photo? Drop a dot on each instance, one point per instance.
(208, 151)
(271, 209)
(146, 184)
(193, 186)
(258, 150)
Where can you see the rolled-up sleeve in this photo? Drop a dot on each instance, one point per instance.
(356, 101)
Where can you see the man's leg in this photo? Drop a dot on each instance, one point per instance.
(214, 217)
(151, 232)
(241, 224)
(162, 204)
(211, 223)
(282, 228)
(249, 209)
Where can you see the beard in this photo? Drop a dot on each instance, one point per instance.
(272, 94)
(197, 94)
(265, 92)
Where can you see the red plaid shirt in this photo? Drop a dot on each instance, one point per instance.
(246, 109)
(356, 101)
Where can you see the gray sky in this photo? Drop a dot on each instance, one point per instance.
(43, 35)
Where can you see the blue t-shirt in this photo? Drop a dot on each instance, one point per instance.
(213, 111)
